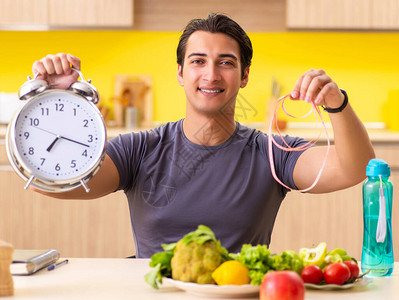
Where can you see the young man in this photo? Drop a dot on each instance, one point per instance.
(207, 168)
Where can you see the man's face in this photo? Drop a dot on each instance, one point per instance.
(211, 74)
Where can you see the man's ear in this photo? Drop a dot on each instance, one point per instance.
(180, 75)
(244, 80)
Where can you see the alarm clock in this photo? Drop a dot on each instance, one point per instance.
(56, 141)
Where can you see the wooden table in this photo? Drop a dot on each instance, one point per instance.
(93, 278)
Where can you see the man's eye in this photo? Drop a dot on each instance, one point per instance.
(229, 63)
(196, 61)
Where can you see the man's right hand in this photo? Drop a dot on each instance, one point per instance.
(57, 69)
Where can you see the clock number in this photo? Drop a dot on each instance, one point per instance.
(84, 153)
(57, 167)
(45, 111)
(86, 122)
(34, 122)
(74, 112)
(26, 135)
(31, 151)
(90, 139)
(73, 163)
(59, 107)
(43, 160)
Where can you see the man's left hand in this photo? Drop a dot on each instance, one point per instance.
(316, 86)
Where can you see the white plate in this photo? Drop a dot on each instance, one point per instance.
(360, 281)
(215, 291)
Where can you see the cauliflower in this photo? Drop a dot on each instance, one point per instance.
(193, 262)
(191, 259)
(197, 255)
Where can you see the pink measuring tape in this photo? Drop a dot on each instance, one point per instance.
(287, 147)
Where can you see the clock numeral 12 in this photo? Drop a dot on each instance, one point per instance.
(59, 107)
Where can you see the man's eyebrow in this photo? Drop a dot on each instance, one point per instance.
(228, 55)
(196, 54)
(220, 55)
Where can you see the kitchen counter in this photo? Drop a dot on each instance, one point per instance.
(124, 279)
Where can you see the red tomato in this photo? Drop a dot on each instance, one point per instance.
(353, 267)
(336, 273)
(312, 274)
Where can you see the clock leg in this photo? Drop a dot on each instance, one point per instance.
(29, 182)
(85, 186)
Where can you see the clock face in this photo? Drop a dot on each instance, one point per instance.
(59, 136)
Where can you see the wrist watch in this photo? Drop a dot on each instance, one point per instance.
(341, 108)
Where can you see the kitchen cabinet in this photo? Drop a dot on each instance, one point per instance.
(3, 154)
(99, 13)
(53, 14)
(328, 14)
(22, 12)
(140, 15)
(343, 14)
(384, 14)
(305, 220)
(173, 15)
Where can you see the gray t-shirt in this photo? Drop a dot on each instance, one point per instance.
(174, 185)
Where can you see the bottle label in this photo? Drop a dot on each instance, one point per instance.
(382, 217)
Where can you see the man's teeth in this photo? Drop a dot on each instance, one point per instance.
(211, 91)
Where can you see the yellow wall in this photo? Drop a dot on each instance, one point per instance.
(365, 64)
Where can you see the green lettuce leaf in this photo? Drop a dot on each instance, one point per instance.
(160, 262)
(257, 259)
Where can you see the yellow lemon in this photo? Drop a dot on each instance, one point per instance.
(231, 272)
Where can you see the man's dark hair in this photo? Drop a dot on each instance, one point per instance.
(217, 23)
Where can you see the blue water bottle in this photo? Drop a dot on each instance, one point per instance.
(377, 252)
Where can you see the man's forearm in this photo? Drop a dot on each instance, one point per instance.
(352, 144)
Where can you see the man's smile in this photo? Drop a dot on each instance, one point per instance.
(210, 91)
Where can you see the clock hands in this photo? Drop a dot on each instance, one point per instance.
(45, 130)
(59, 137)
(71, 140)
(53, 143)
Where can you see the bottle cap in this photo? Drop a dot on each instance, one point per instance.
(377, 167)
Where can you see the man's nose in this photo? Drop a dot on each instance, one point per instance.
(211, 72)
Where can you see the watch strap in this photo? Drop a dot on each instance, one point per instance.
(338, 109)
